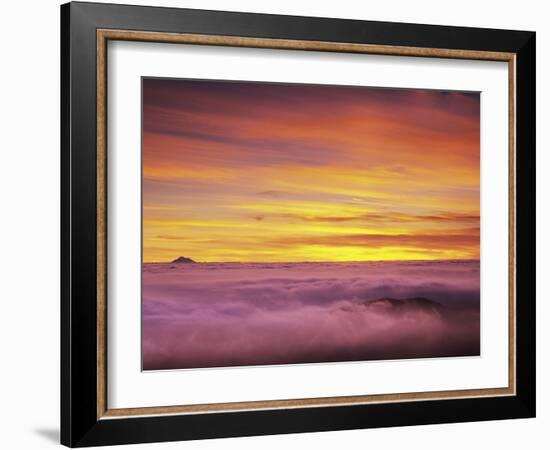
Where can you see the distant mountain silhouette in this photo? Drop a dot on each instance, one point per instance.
(395, 305)
(183, 260)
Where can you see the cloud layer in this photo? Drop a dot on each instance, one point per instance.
(228, 314)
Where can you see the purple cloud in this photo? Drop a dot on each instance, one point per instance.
(228, 314)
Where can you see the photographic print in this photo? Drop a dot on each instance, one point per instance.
(270, 231)
(299, 223)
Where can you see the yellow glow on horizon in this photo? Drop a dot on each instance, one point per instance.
(282, 175)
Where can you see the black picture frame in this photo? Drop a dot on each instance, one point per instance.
(80, 425)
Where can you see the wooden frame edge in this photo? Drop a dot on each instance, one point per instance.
(103, 36)
(211, 408)
(101, 190)
(512, 198)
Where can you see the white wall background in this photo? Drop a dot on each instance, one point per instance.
(29, 236)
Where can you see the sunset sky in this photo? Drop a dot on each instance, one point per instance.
(254, 172)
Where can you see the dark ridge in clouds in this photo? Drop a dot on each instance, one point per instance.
(231, 314)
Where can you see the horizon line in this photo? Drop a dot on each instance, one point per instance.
(303, 262)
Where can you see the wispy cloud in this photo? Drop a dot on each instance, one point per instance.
(251, 165)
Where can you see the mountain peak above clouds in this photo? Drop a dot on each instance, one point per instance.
(183, 260)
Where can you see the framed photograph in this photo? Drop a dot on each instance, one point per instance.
(277, 224)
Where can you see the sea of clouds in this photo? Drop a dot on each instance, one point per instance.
(231, 314)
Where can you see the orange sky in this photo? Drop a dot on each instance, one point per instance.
(276, 172)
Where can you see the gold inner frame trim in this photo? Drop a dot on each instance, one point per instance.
(103, 36)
